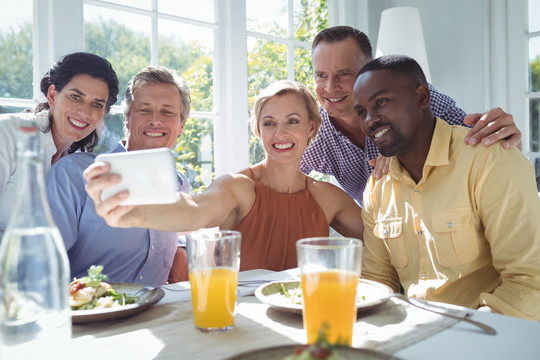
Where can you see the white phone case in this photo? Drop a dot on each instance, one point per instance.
(149, 176)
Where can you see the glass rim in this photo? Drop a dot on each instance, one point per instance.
(332, 242)
(217, 231)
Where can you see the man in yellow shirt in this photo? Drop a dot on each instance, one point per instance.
(449, 222)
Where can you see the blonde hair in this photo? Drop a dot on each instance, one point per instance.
(282, 87)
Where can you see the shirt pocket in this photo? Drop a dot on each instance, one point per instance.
(390, 231)
(454, 237)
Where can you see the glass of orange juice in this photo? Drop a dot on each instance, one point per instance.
(330, 268)
(213, 263)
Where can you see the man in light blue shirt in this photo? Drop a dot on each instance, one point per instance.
(156, 106)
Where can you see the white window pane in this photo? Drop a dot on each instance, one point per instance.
(120, 37)
(202, 10)
(195, 149)
(534, 64)
(534, 121)
(267, 17)
(302, 67)
(4, 109)
(111, 133)
(267, 62)
(16, 49)
(189, 49)
(536, 163)
(534, 15)
(141, 4)
(309, 18)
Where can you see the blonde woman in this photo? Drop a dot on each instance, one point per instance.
(273, 204)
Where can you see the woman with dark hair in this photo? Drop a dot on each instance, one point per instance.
(80, 89)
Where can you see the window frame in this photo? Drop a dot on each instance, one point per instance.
(508, 64)
(529, 95)
(231, 113)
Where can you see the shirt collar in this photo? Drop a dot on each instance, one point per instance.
(438, 151)
(440, 144)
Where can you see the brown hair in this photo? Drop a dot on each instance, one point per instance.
(340, 33)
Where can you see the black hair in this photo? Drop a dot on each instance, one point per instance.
(398, 65)
(61, 74)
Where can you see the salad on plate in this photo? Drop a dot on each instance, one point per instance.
(94, 292)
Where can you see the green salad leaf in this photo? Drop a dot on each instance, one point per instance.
(95, 276)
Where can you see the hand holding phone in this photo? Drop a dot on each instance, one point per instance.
(149, 175)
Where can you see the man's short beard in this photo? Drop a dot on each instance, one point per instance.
(400, 145)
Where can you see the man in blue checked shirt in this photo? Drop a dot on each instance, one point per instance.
(341, 148)
(156, 106)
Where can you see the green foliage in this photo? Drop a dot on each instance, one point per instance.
(129, 51)
(534, 106)
(267, 60)
(17, 55)
(535, 74)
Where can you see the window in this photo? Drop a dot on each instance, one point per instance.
(533, 91)
(217, 46)
(16, 91)
(133, 34)
(279, 36)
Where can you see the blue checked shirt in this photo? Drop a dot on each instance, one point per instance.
(334, 154)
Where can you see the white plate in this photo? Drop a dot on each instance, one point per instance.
(141, 304)
(374, 293)
(280, 352)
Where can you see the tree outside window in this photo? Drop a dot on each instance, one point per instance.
(269, 43)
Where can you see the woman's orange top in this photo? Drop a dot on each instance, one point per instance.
(274, 224)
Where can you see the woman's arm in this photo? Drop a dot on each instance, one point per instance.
(343, 213)
(207, 209)
(348, 218)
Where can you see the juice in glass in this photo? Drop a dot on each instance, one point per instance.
(213, 297)
(330, 305)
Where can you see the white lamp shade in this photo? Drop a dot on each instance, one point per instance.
(400, 32)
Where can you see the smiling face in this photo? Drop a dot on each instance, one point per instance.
(154, 120)
(393, 112)
(335, 65)
(77, 109)
(285, 127)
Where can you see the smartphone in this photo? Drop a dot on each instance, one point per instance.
(149, 175)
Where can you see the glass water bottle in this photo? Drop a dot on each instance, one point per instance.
(35, 315)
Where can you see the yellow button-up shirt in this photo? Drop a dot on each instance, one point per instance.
(468, 233)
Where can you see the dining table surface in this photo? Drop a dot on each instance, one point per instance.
(393, 327)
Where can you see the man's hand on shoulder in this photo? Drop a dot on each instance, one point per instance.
(381, 165)
(492, 126)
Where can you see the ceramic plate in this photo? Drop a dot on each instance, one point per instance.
(280, 352)
(369, 294)
(142, 303)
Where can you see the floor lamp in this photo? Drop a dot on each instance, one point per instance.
(400, 32)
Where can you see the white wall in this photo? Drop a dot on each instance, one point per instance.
(454, 36)
(474, 47)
